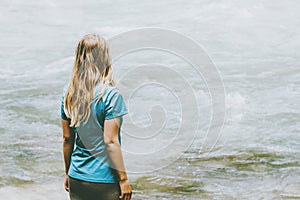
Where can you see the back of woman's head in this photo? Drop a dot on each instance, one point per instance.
(92, 66)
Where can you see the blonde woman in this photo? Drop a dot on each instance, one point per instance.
(92, 110)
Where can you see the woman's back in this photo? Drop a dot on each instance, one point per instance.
(90, 153)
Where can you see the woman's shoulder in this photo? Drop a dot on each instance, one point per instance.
(64, 90)
(109, 92)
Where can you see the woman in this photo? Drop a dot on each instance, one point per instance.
(92, 112)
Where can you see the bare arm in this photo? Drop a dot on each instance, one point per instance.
(68, 143)
(111, 130)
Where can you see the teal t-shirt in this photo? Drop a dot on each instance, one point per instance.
(90, 160)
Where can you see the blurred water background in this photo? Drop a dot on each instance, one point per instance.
(255, 45)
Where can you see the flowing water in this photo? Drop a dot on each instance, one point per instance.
(255, 45)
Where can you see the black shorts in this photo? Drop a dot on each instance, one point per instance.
(82, 190)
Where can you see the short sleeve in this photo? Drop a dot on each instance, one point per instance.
(62, 111)
(115, 105)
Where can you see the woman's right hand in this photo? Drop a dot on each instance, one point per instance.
(125, 190)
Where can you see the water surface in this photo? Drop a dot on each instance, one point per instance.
(255, 46)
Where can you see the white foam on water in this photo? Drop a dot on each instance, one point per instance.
(235, 100)
(42, 191)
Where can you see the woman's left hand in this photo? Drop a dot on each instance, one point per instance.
(66, 183)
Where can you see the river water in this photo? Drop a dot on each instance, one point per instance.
(255, 46)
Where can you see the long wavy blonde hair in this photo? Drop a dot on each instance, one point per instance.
(92, 66)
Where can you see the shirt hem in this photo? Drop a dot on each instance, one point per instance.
(92, 180)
